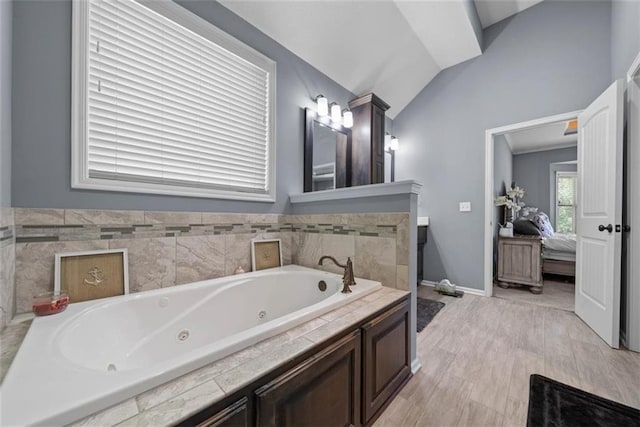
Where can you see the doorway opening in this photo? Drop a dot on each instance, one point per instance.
(531, 194)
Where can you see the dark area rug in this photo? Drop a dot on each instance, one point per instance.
(427, 310)
(555, 404)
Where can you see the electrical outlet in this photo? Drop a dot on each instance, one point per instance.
(465, 206)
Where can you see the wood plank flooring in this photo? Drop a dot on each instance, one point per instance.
(555, 294)
(478, 353)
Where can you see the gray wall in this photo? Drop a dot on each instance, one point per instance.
(625, 35)
(502, 178)
(531, 172)
(42, 109)
(546, 60)
(5, 102)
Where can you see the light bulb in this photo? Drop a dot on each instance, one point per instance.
(393, 144)
(347, 119)
(323, 105)
(336, 113)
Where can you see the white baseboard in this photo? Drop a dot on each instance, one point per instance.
(472, 291)
(415, 366)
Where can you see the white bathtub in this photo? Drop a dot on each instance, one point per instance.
(98, 353)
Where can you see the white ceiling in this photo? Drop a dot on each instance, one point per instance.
(492, 11)
(540, 138)
(393, 48)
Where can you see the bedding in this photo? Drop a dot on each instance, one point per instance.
(559, 255)
(526, 227)
(561, 242)
(541, 220)
(560, 247)
(528, 212)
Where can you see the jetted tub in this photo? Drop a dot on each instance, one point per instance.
(98, 353)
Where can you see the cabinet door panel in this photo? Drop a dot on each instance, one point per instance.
(386, 358)
(377, 147)
(323, 390)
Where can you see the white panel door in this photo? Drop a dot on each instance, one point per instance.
(598, 256)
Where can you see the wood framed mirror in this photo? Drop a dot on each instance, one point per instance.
(327, 153)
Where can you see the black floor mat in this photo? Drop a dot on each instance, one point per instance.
(555, 404)
(427, 310)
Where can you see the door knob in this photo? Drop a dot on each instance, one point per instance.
(609, 228)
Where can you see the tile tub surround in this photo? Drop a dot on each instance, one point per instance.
(377, 243)
(176, 400)
(165, 248)
(7, 266)
(173, 248)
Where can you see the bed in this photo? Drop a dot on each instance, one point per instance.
(558, 249)
(559, 254)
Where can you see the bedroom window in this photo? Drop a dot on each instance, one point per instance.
(166, 103)
(566, 191)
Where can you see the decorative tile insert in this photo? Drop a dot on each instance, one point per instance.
(65, 232)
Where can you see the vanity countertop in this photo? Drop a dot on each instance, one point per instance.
(10, 339)
(182, 397)
(423, 221)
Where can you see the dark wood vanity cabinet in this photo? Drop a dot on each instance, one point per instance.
(321, 391)
(386, 360)
(236, 414)
(347, 381)
(367, 140)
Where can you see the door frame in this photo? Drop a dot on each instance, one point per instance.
(631, 338)
(490, 135)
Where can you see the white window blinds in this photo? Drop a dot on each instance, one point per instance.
(171, 111)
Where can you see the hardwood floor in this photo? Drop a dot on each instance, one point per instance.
(478, 353)
(555, 294)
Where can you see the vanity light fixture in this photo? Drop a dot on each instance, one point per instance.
(323, 105)
(347, 118)
(393, 143)
(336, 113)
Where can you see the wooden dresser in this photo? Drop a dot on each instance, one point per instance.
(520, 262)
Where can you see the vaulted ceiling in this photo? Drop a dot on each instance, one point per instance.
(393, 48)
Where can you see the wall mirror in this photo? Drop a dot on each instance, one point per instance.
(327, 153)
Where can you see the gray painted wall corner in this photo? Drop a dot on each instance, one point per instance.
(442, 130)
(531, 172)
(625, 36)
(6, 20)
(502, 178)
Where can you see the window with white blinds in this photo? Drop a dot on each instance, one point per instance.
(167, 103)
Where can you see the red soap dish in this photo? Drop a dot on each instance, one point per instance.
(50, 303)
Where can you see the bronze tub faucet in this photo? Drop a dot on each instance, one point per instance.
(347, 278)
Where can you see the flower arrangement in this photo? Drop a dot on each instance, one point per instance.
(511, 201)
